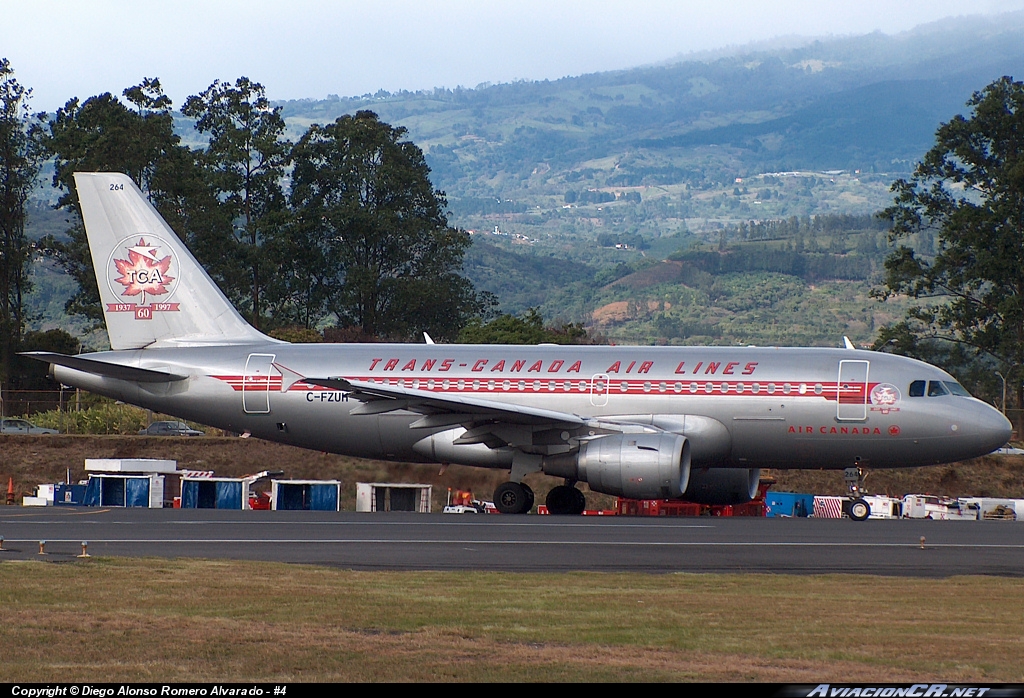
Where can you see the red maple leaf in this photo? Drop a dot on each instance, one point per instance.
(142, 274)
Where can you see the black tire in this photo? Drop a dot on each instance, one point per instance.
(530, 497)
(860, 510)
(560, 500)
(579, 502)
(512, 498)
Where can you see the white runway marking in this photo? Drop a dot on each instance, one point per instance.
(424, 541)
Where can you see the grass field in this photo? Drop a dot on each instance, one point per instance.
(194, 620)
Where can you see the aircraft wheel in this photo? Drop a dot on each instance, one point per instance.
(513, 498)
(560, 500)
(530, 497)
(859, 510)
(579, 502)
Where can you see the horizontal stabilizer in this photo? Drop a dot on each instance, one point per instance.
(103, 368)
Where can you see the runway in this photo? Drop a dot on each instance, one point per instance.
(398, 541)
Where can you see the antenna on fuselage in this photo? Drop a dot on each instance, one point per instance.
(848, 343)
(427, 338)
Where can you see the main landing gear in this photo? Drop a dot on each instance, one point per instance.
(518, 498)
(565, 500)
(513, 498)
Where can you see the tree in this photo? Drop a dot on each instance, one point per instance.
(378, 252)
(968, 191)
(528, 329)
(21, 155)
(246, 158)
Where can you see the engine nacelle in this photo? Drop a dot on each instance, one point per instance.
(440, 447)
(722, 485)
(638, 466)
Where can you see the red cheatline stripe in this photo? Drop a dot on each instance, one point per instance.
(849, 393)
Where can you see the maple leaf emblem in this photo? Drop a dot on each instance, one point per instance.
(144, 272)
(885, 394)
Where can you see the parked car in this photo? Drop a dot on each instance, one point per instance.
(23, 426)
(169, 429)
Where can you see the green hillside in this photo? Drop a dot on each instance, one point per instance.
(577, 190)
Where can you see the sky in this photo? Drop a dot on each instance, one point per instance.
(311, 49)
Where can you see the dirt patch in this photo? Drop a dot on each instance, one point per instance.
(32, 460)
(620, 311)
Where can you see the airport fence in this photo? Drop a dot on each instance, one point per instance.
(70, 411)
(25, 403)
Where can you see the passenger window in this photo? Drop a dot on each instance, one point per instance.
(916, 389)
(936, 389)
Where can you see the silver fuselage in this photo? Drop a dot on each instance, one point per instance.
(739, 407)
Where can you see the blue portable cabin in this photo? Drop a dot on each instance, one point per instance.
(305, 495)
(214, 493)
(124, 490)
(788, 504)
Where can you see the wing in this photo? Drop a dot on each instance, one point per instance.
(495, 424)
(377, 398)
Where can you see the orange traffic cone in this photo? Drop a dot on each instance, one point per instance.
(10, 491)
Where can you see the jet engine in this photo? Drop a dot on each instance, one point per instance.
(639, 466)
(722, 485)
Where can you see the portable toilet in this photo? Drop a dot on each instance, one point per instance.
(305, 495)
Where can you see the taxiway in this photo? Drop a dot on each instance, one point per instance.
(523, 543)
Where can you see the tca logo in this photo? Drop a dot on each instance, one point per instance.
(143, 270)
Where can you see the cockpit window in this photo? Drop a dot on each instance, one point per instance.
(916, 389)
(956, 388)
(936, 389)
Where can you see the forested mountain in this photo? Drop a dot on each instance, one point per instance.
(722, 198)
(870, 103)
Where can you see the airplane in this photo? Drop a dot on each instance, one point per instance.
(694, 423)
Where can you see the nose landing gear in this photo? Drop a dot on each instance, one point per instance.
(858, 508)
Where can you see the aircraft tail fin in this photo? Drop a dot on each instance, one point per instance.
(153, 290)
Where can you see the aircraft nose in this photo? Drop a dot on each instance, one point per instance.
(992, 428)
